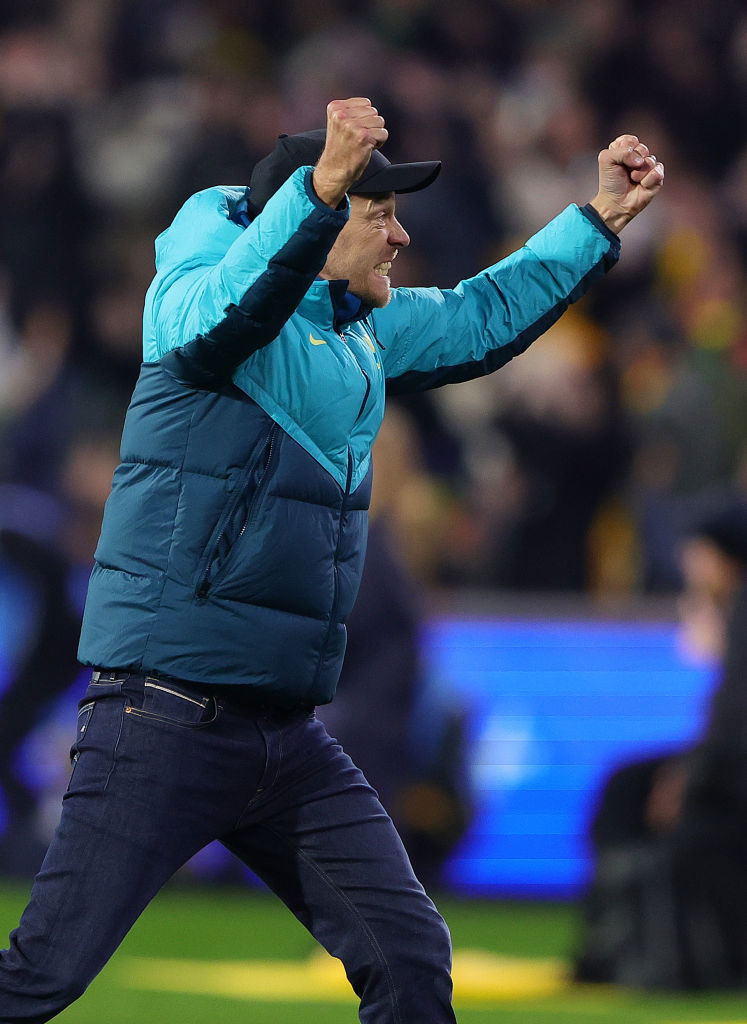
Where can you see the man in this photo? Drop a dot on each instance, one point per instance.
(232, 546)
(667, 905)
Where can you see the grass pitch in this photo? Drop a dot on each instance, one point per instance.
(237, 956)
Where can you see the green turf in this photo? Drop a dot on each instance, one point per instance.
(230, 924)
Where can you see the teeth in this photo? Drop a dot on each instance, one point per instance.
(382, 269)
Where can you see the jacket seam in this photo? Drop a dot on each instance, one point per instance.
(220, 598)
(332, 622)
(125, 572)
(165, 464)
(157, 610)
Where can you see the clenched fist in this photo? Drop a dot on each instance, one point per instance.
(629, 178)
(354, 129)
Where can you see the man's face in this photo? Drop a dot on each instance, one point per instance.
(365, 248)
(711, 580)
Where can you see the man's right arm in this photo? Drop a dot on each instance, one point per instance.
(266, 272)
(241, 303)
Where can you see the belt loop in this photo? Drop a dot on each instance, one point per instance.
(110, 675)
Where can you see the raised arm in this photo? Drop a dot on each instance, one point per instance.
(208, 319)
(435, 336)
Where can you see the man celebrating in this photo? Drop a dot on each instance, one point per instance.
(232, 546)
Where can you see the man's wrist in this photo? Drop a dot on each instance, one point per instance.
(614, 219)
(328, 190)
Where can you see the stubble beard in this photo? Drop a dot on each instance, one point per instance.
(374, 299)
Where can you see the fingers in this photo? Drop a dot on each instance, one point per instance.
(629, 152)
(354, 129)
(650, 174)
(630, 175)
(357, 120)
(644, 169)
(653, 177)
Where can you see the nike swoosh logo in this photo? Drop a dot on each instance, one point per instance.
(316, 341)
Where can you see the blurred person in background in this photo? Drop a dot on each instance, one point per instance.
(40, 393)
(667, 907)
(547, 450)
(415, 757)
(42, 238)
(48, 553)
(239, 510)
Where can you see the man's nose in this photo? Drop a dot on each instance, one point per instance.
(398, 237)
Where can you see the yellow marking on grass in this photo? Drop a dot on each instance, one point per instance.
(479, 977)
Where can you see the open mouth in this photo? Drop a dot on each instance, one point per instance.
(383, 269)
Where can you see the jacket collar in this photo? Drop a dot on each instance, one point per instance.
(331, 305)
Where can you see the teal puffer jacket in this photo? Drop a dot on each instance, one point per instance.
(233, 540)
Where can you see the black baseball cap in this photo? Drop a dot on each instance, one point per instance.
(293, 151)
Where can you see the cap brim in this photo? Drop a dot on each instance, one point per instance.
(398, 178)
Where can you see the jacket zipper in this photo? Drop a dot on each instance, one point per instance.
(335, 568)
(251, 514)
(336, 571)
(365, 397)
(208, 577)
(366, 378)
(370, 326)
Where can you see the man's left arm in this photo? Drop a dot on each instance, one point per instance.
(439, 336)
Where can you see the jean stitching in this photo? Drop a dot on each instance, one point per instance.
(355, 912)
(203, 702)
(280, 759)
(89, 851)
(74, 749)
(115, 750)
(188, 726)
(265, 782)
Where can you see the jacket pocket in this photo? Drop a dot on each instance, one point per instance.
(239, 515)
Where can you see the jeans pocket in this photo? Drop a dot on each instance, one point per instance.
(167, 702)
(85, 713)
(84, 718)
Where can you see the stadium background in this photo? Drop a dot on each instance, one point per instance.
(540, 510)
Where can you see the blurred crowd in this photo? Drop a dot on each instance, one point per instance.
(575, 468)
(580, 467)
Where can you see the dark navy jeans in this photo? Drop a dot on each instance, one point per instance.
(159, 771)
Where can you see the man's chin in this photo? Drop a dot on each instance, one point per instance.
(375, 298)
